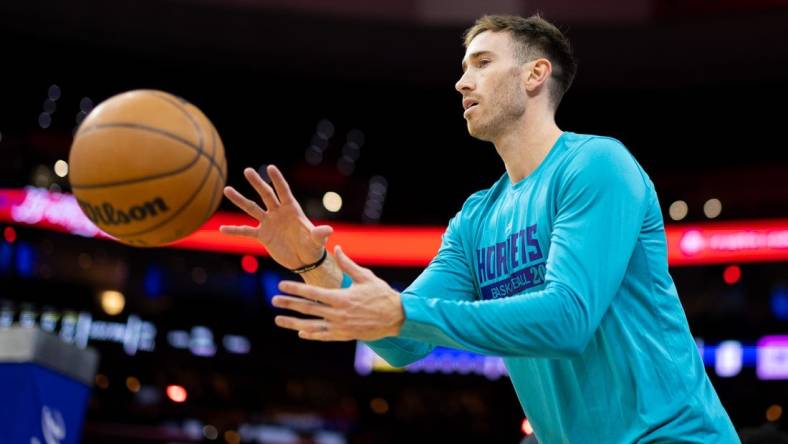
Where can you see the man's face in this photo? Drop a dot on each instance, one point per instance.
(491, 86)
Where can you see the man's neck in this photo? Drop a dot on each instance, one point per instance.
(527, 145)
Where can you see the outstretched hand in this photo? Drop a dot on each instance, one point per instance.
(368, 310)
(285, 231)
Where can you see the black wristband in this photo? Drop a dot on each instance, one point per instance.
(311, 267)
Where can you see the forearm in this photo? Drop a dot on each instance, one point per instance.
(551, 323)
(400, 352)
(327, 275)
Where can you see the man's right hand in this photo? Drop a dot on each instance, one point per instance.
(285, 231)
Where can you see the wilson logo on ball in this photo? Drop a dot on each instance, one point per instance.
(106, 214)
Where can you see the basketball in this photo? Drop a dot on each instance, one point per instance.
(147, 167)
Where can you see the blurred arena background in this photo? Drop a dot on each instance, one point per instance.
(357, 99)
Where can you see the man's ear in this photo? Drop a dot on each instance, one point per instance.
(540, 72)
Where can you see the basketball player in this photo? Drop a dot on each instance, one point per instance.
(560, 266)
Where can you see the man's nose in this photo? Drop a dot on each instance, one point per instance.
(464, 84)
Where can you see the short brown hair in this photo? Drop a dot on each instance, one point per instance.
(534, 37)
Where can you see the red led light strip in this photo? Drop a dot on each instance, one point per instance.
(691, 244)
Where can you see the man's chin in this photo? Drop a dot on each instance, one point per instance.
(477, 132)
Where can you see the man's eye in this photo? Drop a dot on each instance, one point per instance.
(483, 62)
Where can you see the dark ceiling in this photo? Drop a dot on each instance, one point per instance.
(698, 99)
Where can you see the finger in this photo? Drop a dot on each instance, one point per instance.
(324, 295)
(238, 230)
(328, 335)
(263, 189)
(303, 306)
(280, 184)
(321, 233)
(293, 323)
(249, 206)
(356, 272)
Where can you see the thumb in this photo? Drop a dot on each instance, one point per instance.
(357, 273)
(321, 233)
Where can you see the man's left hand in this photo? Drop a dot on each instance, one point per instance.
(367, 310)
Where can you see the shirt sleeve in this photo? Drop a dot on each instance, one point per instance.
(601, 201)
(447, 277)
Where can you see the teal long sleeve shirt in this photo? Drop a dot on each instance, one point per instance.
(564, 274)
